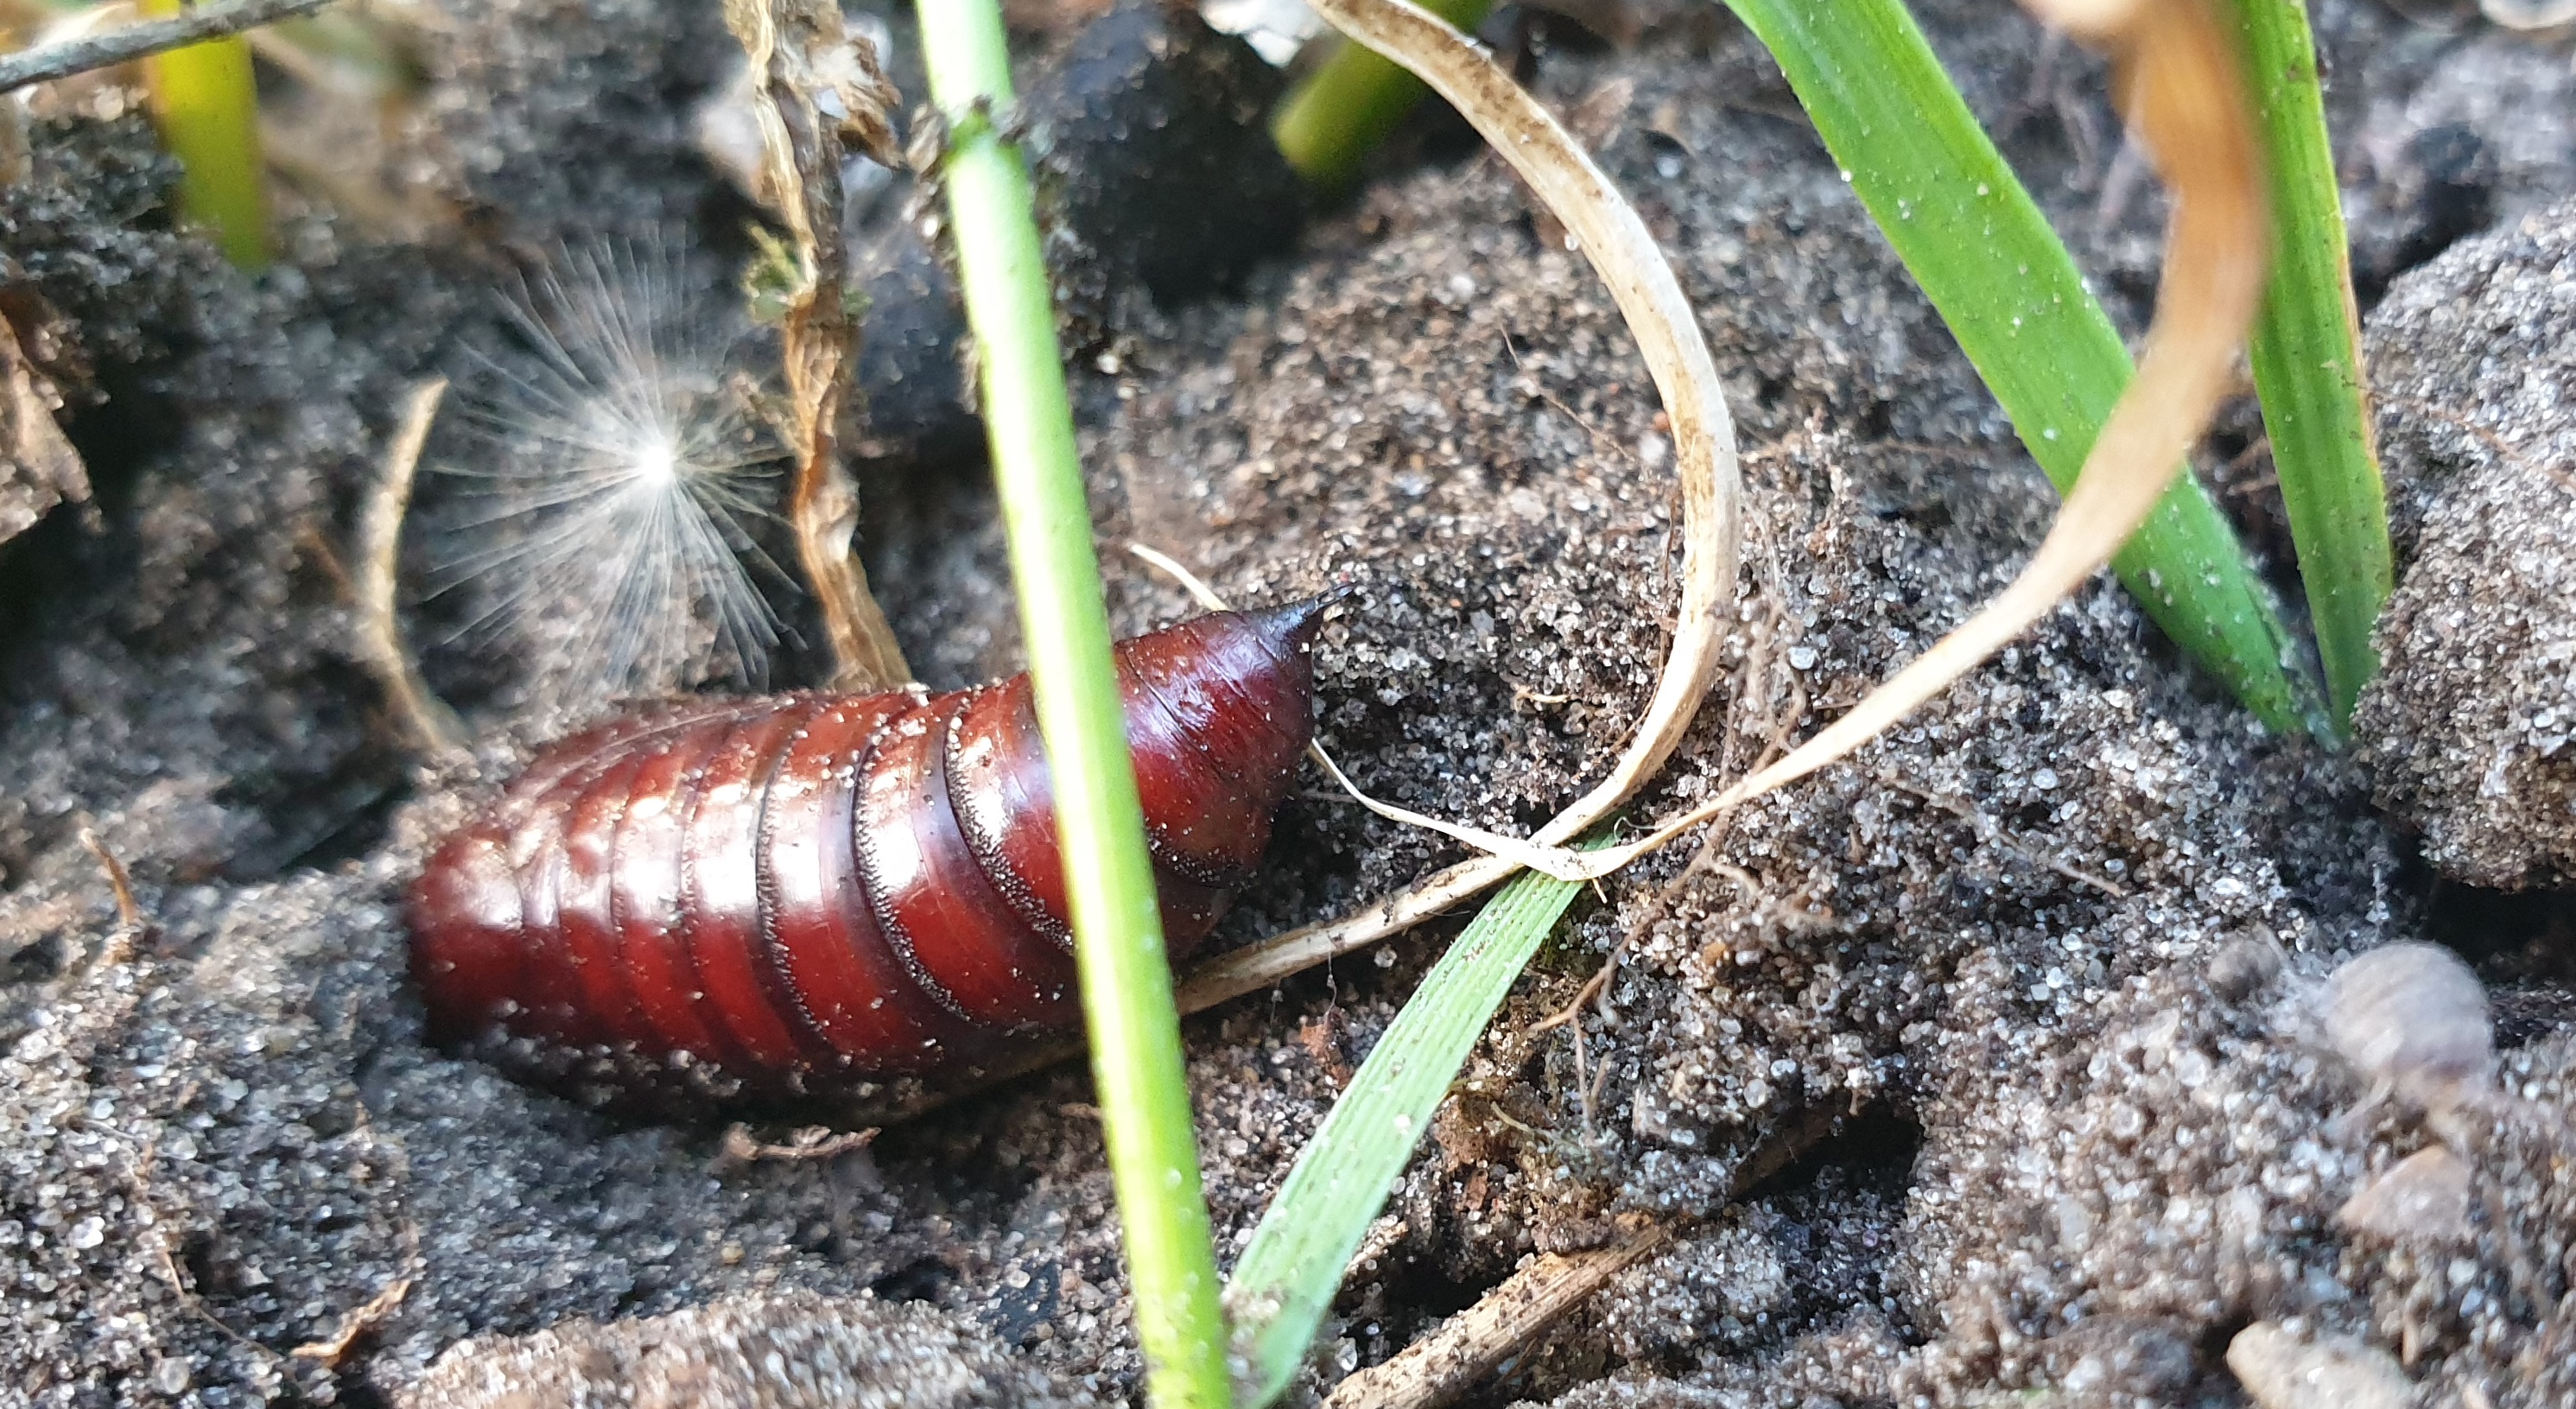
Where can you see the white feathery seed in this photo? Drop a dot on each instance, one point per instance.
(612, 478)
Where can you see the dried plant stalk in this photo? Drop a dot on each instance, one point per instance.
(91, 52)
(38, 466)
(424, 716)
(1469, 1345)
(820, 92)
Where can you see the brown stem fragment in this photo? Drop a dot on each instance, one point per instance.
(820, 94)
(1469, 1346)
(132, 924)
(38, 466)
(356, 1324)
(814, 1143)
(425, 717)
(117, 46)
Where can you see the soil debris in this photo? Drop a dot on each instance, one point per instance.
(38, 466)
(2425, 1195)
(2469, 732)
(2283, 1370)
(786, 1351)
(2089, 1130)
(1155, 178)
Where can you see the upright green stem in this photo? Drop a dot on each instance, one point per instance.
(1126, 980)
(1339, 114)
(2012, 296)
(2307, 357)
(208, 111)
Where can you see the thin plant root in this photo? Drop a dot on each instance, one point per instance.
(820, 92)
(425, 718)
(1988, 830)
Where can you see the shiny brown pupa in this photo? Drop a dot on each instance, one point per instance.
(812, 893)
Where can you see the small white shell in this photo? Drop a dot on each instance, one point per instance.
(2528, 14)
(2425, 1197)
(2411, 1019)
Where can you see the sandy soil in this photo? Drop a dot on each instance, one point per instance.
(2053, 953)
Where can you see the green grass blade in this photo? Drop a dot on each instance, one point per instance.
(2307, 358)
(1288, 1274)
(1118, 942)
(1333, 119)
(2014, 299)
(207, 108)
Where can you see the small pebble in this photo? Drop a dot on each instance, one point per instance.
(2282, 1370)
(2424, 1197)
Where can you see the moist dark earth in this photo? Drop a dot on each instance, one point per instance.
(2053, 956)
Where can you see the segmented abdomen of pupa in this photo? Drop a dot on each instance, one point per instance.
(810, 892)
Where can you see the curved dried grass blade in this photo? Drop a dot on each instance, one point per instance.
(2189, 103)
(2187, 100)
(1641, 281)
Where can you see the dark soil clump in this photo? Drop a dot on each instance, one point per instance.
(2051, 953)
(2470, 730)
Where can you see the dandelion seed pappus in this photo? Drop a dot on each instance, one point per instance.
(600, 509)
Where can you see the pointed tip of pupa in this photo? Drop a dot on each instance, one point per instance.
(1291, 626)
